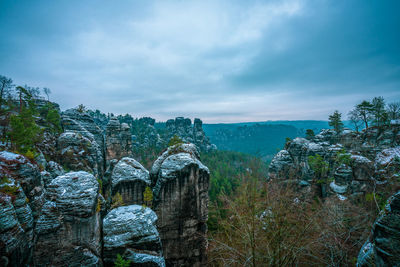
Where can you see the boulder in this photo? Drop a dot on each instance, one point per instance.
(131, 232)
(130, 178)
(68, 230)
(27, 175)
(180, 199)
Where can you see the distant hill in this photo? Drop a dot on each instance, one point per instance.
(260, 138)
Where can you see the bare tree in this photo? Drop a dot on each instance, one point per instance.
(355, 119)
(393, 110)
(5, 87)
(47, 92)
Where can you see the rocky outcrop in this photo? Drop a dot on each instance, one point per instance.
(180, 199)
(131, 232)
(68, 229)
(383, 246)
(27, 175)
(79, 152)
(130, 178)
(118, 140)
(16, 224)
(183, 128)
(145, 135)
(80, 122)
(372, 159)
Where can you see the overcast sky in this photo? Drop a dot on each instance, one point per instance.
(222, 61)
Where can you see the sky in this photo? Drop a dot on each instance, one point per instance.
(221, 61)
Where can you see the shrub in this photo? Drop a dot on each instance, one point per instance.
(147, 196)
(117, 201)
(175, 140)
(121, 262)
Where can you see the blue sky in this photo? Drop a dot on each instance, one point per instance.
(222, 61)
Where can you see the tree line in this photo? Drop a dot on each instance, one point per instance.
(368, 113)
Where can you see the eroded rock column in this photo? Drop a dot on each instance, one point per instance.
(181, 202)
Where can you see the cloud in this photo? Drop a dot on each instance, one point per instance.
(218, 60)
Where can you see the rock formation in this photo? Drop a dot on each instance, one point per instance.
(68, 230)
(130, 178)
(27, 175)
(16, 225)
(180, 200)
(383, 246)
(131, 232)
(82, 138)
(78, 152)
(182, 127)
(373, 159)
(118, 140)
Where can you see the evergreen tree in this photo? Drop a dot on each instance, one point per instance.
(310, 134)
(335, 121)
(25, 133)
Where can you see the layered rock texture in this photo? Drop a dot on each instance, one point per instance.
(118, 139)
(81, 146)
(68, 230)
(358, 162)
(131, 231)
(130, 178)
(183, 128)
(56, 208)
(383, 246)
(180, 200)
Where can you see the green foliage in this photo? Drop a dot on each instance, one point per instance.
(121, 262)
(310, 134)
(25, 133)
(7, 189)
(54, 120)
(343, 158)
(318, 165)
(227, 170)
(175, 140)
(117, 201)
(4, 180)
(148, 196)
(98, 206)
(335, 121)
(30, 154)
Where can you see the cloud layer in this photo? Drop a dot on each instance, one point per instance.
(222, 61)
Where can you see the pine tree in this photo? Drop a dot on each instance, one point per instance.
(335, 120)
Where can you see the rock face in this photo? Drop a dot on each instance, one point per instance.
(68, 230)
(373, 159)
(27, 175)
(130, 178)
(86, 132)
(180, 199)
(131, 232)
(182, 127)
(118, 140)
(79, 152)
(383, 246)
(16, 225)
